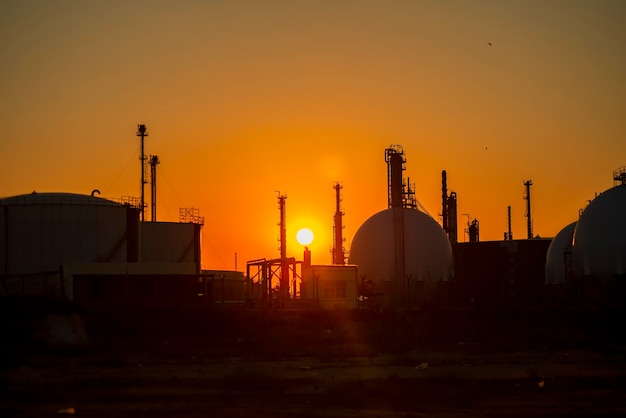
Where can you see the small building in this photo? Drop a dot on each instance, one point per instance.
(222, 287)
(500, 275)
(330, 286)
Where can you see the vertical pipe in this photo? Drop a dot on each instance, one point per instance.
(529, 223)
(284, 268)
(444, 202)
(510, 235)
(338, 254)
(452, 218)
(141, 132)
(395, 162)
(154, 161)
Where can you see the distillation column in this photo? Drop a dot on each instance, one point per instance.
(394, 157)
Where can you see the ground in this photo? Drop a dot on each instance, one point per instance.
(173, 362)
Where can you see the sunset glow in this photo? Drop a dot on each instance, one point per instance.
(304, 236)
(245, 98)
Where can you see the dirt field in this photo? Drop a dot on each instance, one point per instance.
(233, 363)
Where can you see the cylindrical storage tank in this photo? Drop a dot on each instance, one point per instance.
(427, 252)
(41, 231)
(599, 244)
(556, 258)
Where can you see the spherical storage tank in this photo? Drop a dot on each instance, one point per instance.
(41, 231)
(599, 244)
(427, 251)
(555, 257)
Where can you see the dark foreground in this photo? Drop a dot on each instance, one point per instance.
(233, 363)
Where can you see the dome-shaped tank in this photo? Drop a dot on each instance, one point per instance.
(555, 257)
(41, 231)
(599, 244)
(427, 251)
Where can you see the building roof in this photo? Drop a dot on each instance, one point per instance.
(35, 198)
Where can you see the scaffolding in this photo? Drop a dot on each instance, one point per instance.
(261, 287)
(190, 215)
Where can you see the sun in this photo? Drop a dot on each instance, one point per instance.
(304, 236)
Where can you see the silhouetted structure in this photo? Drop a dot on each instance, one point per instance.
(500, 275)
(154, 161)
(508, 236)
(394, 156)
(284, 270)
(64, 245)
(474, 231)
(259, 286)
(448, 210)
(619, 176)
(529, 225)
(339, 256)
(141, 132)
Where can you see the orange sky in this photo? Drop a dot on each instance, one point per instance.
(246, 98)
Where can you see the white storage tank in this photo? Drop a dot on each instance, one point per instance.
(560, 248)
(427, 252)
(41, 231)
(599, 244)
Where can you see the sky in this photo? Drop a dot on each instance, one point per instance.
(245, 100)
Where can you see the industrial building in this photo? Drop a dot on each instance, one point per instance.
(92, 250)
(75, 246)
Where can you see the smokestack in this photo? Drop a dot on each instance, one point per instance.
(444, 200)
(452, 221)
(338, 252)
(529, 222)
(141, 132)
(284, 265)
(510, 235)
(154, 161)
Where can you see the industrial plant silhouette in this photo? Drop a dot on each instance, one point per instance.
(91, 250)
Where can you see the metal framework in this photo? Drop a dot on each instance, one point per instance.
(399, 193)
(261, 287)
(190, 215)
(619, 176)
(448, 210)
